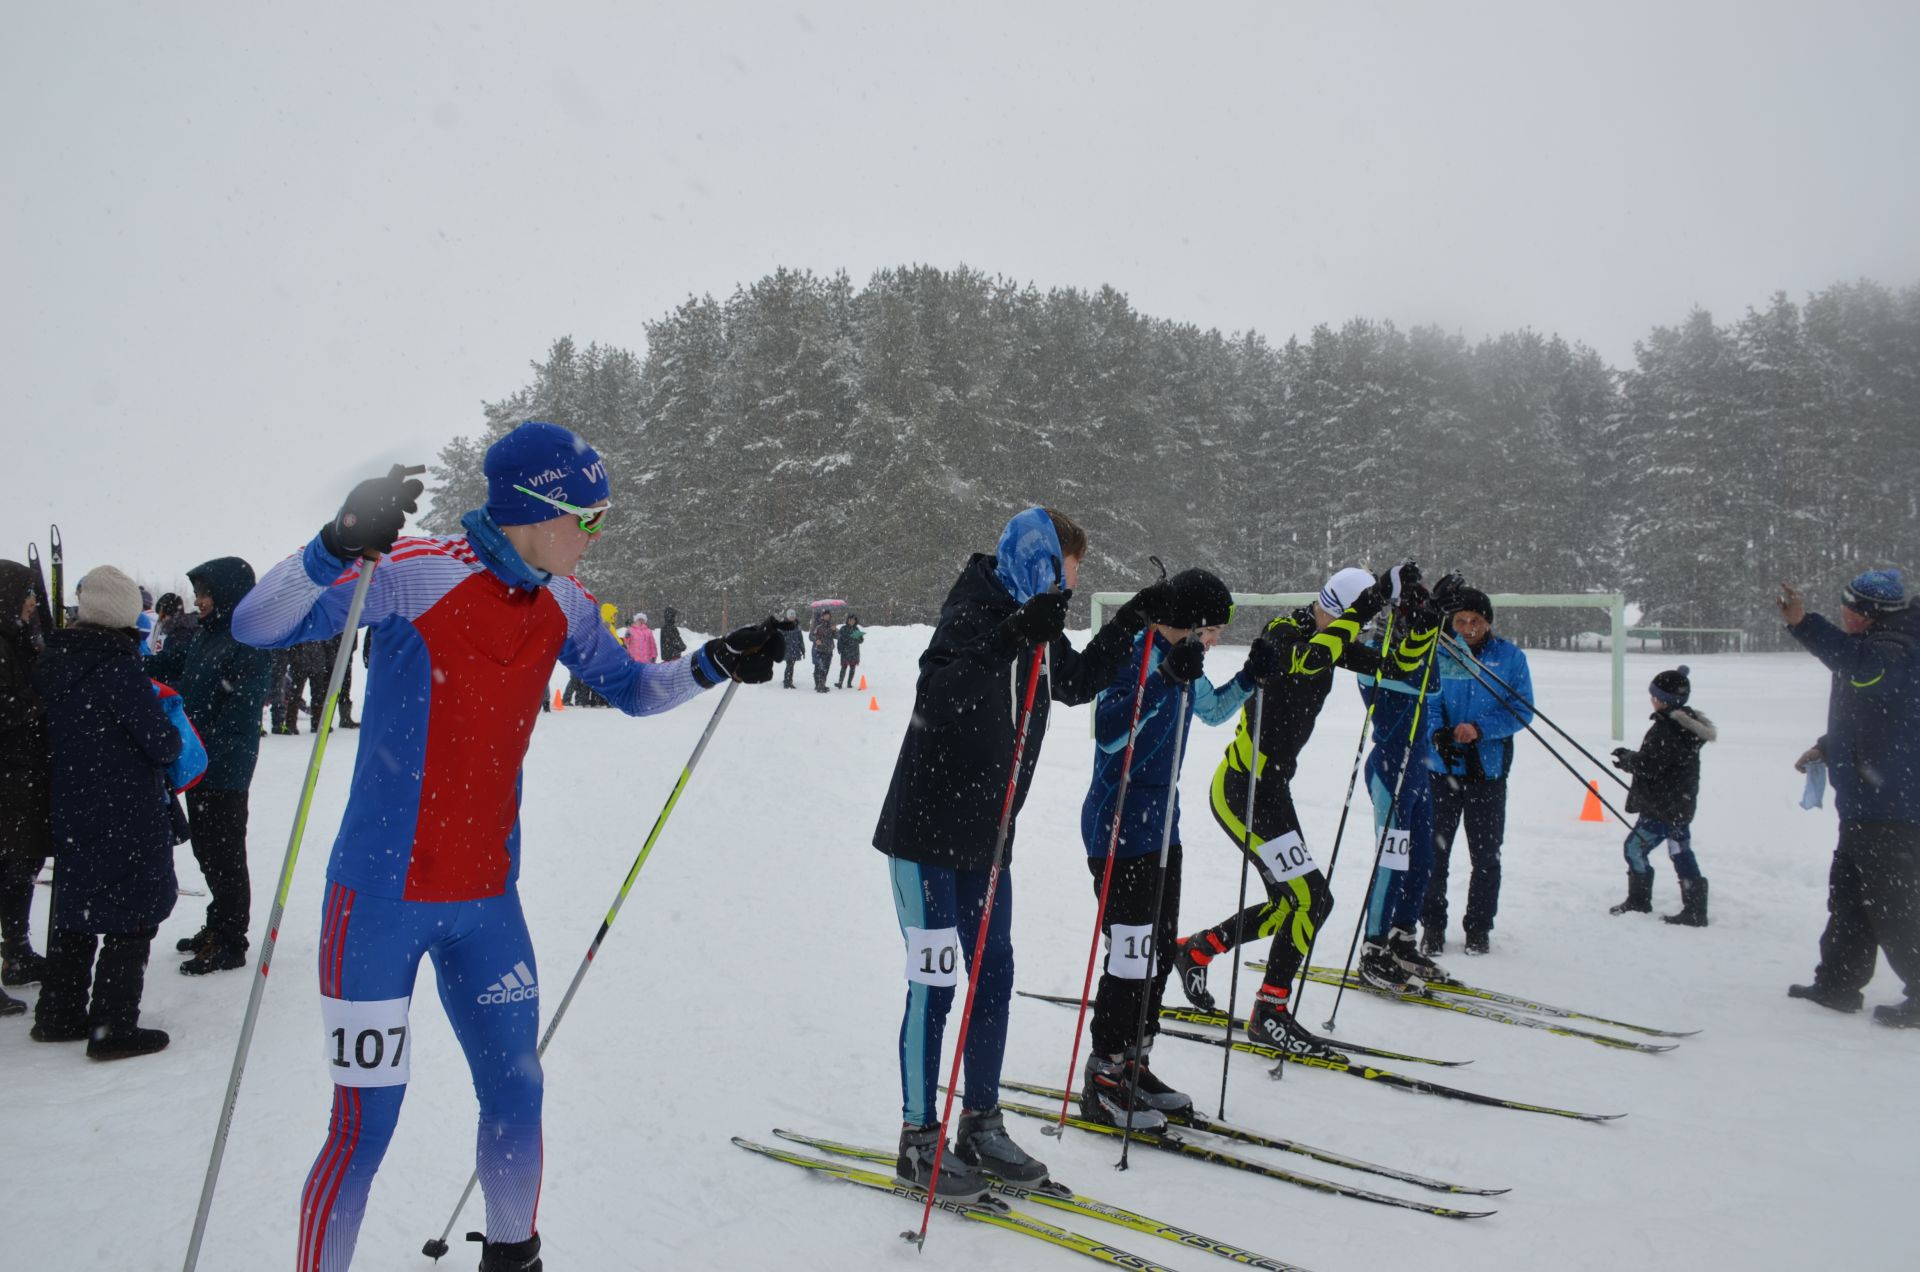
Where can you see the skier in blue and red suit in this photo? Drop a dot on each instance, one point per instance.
(428, 854)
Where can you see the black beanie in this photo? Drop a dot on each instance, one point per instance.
(1672, 687)
(1200, 599)
(1472, 600)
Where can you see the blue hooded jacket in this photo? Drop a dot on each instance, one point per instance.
(1488, 707)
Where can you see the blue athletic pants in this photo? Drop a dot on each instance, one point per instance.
(932, 897)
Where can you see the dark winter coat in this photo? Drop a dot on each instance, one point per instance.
(672, 643)
(943, 805)
(24, 828)
(848, 643)
(1872, 743)
(223, 682)
(112, 809)
(823, 630)
(1666, 768)
(796, 647)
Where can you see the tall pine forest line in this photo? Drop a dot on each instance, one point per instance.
(804, 439)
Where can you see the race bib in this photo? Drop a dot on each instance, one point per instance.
(366, 1041)
(1398, 852)
(1286, 857)
(933, 956)
(1130, 951)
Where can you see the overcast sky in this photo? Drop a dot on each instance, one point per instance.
(253, 252)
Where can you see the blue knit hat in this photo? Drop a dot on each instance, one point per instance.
(545, 458)
(1876, 592)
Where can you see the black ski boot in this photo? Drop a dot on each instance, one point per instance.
(914, 1167)
(1639, 894)
(1154, 1093)
(982, 1142)
(508, 1256)
(1832, 997)
(1272, 1024)
(1406, 951)
(1900, 1015)
(120, 1042)
(1191, 955)
(1433, 939)
(1104, 1096)
(1380, 969)
(1693, 904)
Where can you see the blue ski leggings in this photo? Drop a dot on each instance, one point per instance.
(1398, 894)
(938, 908)
(1648, 835)
(370, 950)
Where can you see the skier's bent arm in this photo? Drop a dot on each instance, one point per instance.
(305, 597)
(592, 653)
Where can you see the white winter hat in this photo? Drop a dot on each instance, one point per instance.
(108, 598)
(640, 617)
(1344, 588)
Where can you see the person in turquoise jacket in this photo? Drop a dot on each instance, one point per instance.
(1473, 753)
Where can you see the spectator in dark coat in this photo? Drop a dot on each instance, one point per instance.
(847, 642)
(224, 684)
(796, 647)
(1872, 752)
(26, 837)
(822, 637)
(111, 745)
(672, 643)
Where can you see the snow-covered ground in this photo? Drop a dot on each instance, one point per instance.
(753, 981)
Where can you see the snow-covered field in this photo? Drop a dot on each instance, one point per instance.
(753, 981)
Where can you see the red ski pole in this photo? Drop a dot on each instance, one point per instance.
(980, 941)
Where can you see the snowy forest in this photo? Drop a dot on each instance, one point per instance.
(807, 438)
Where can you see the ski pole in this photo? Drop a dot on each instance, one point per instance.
(1153, 933)
(320, 732)
(1340, 830)
(1465, 657)
(1474, 667)
(1386, 828)
(437, 1246)
(1106, 880)
(919, 1238)
(1246, 867)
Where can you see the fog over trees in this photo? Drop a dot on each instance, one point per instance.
(807, 438)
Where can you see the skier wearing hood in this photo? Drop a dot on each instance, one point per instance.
(941, 818)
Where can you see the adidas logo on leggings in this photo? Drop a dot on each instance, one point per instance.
(515, 987)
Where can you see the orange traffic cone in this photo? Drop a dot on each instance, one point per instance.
(559, 703)
(873, 704)
(863, 682)
(1592, 810)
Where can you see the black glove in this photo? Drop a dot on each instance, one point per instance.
(746, 654)
(1391, 585)
(1039, 621)
(1264, 660)
(1185, 662)
(1623, 758)
(371, 518)
(1446, 593)
(1443, 743)
(1422, 612)
(1149, 605)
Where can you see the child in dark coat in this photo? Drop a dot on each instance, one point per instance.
(1665, 791)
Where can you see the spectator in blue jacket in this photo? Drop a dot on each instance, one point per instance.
(1473, 753)
(1872, 752)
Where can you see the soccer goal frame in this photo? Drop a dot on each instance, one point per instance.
(1614, 603)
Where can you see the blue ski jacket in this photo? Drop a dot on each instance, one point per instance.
(1872, 743)
(1152, 782)
(1498, 715)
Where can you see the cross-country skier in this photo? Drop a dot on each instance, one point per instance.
(942, 815)
(1306, 646)
(1140, 942)
(428, 853)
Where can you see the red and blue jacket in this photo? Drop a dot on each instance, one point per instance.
(466, 634)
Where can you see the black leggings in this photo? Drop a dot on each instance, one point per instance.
(1116, 1004)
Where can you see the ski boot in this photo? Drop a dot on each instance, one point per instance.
(1639, 894)
(1191, 955)
(982, 1142)
(508, 1256)
(1380, 969)
(1477, 943)
(914, 1167)
(1831, 997)
(1104, 1097)
(1272, 1024)
(1693, 904)
(1433, 938)
(1900, 1015)
(1154, 1093)
(1406, 951)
